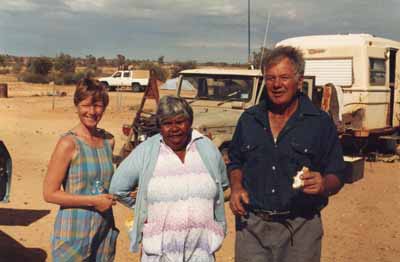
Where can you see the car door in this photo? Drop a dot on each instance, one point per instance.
(126, 78)
(117, 78)
(5, 173)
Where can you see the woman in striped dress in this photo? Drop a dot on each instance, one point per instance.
(78, 179)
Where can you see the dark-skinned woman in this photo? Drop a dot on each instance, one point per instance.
(179, 209)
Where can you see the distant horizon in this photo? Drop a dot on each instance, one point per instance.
(205, 31)
(130, 59)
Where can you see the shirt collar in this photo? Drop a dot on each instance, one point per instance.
(196, 135)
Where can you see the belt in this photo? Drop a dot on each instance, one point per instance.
(271, 215)
(276, 216)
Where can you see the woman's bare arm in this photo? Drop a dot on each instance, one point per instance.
(57, 170)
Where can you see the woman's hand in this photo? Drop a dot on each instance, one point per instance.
(103, 202)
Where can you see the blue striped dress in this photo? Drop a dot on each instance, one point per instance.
(84, 234)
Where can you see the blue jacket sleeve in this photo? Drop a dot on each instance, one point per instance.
(213, 158)
(126, 178)
(222, 171)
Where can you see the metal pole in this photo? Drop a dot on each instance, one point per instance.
(119, 98)
(53, 104)
(248, 30)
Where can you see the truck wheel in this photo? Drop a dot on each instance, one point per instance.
(136, 87)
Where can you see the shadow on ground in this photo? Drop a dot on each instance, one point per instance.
(20, 217)
(12, 250)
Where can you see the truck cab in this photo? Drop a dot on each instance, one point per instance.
(218, 98)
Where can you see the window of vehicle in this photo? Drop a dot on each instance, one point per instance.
(218, 88)
(117, 74)
(377, 71)
(126, 74)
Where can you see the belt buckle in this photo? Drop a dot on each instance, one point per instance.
(280, 213)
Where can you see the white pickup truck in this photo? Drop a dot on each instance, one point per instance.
(137, 80)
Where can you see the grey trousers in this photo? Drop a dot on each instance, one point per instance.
(291, 240)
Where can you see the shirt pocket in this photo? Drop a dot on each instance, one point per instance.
(251, 153)
(302, 155)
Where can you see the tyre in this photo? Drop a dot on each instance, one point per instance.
(136, 87)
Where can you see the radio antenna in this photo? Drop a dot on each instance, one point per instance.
(265, 37)
(248, 32)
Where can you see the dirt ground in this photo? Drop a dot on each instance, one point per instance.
(361, 223)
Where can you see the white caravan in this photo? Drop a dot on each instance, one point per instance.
(367, 70)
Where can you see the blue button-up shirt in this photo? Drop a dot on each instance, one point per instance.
(308, 139)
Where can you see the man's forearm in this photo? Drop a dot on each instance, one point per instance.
(332, 185)
(236, 178)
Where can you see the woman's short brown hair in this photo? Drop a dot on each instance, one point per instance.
(88, 87)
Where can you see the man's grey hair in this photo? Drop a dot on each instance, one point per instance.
(171, 106)
(279, 53)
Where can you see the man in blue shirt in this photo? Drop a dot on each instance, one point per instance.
(273, 141)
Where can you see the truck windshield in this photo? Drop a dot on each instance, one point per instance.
(218, 88)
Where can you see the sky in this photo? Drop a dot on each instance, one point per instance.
(203, 30)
